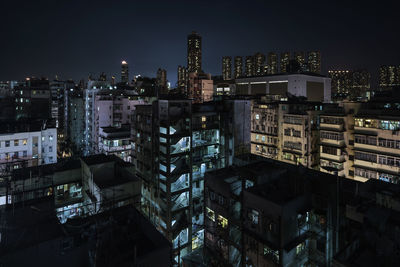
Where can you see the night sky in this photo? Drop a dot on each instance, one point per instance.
(76, 38)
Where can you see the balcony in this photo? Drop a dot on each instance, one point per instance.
(116, 148)
(336, 158)
(329, 126)
(339, 143)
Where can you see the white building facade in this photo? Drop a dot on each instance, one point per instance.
(28, 148)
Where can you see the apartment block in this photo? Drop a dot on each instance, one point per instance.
(116, 141)
(176, 143)
(24, 144)
(200, 87)
(268, 213)
(377, 145)
(337, 139)
(106, 107)
(286, 131)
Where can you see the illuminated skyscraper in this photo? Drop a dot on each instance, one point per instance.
(272, 63)
(238, 67)
(361, 83)
(314, 61)
(226, 68)
(300, 58)
(341, 83)
(194, 52)
(285, 58)
(389, 77)
(124, 72)
(182, 79)
(249, 66)
(259, 62)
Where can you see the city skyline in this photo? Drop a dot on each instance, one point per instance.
(346, 39)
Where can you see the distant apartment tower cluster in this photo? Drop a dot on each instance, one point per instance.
(259, 64)
(389, 77)
(350, 84)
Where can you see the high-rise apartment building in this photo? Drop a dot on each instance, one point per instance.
(285, 58)
(300, 58)
(162, 81)
(177, 142)
(124, 72)
(227, 68)
(389, 77)
(238, 71)
(259, 63)
(182, 79)
(356, 140)
(75, 118)
(268, 213)
(113, 110)
(194, 52)
(272, 63)
(33, 99)
(286, 131)
(249, 68)
(314, 61)
(377, 145)
(105, 106)
(336, 132)
(361, 84)
(341, 83)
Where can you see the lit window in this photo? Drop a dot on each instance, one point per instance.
(210, 214)
(42, 138)
(253, 216)
(50, 137)
(257, 116)
(300, 247)
(222, 221)
(257, 137)
(203, 118)
(16, 142)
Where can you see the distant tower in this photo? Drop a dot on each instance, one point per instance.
(182, 79)
(285, 58)
(238, 67)
(124, 72)
(249, 66)
(272, 63)
(389, 76)
(227, 68)
(314, 61)
(259, 62)
(300, 58)
(194, 52)
(162, 81)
